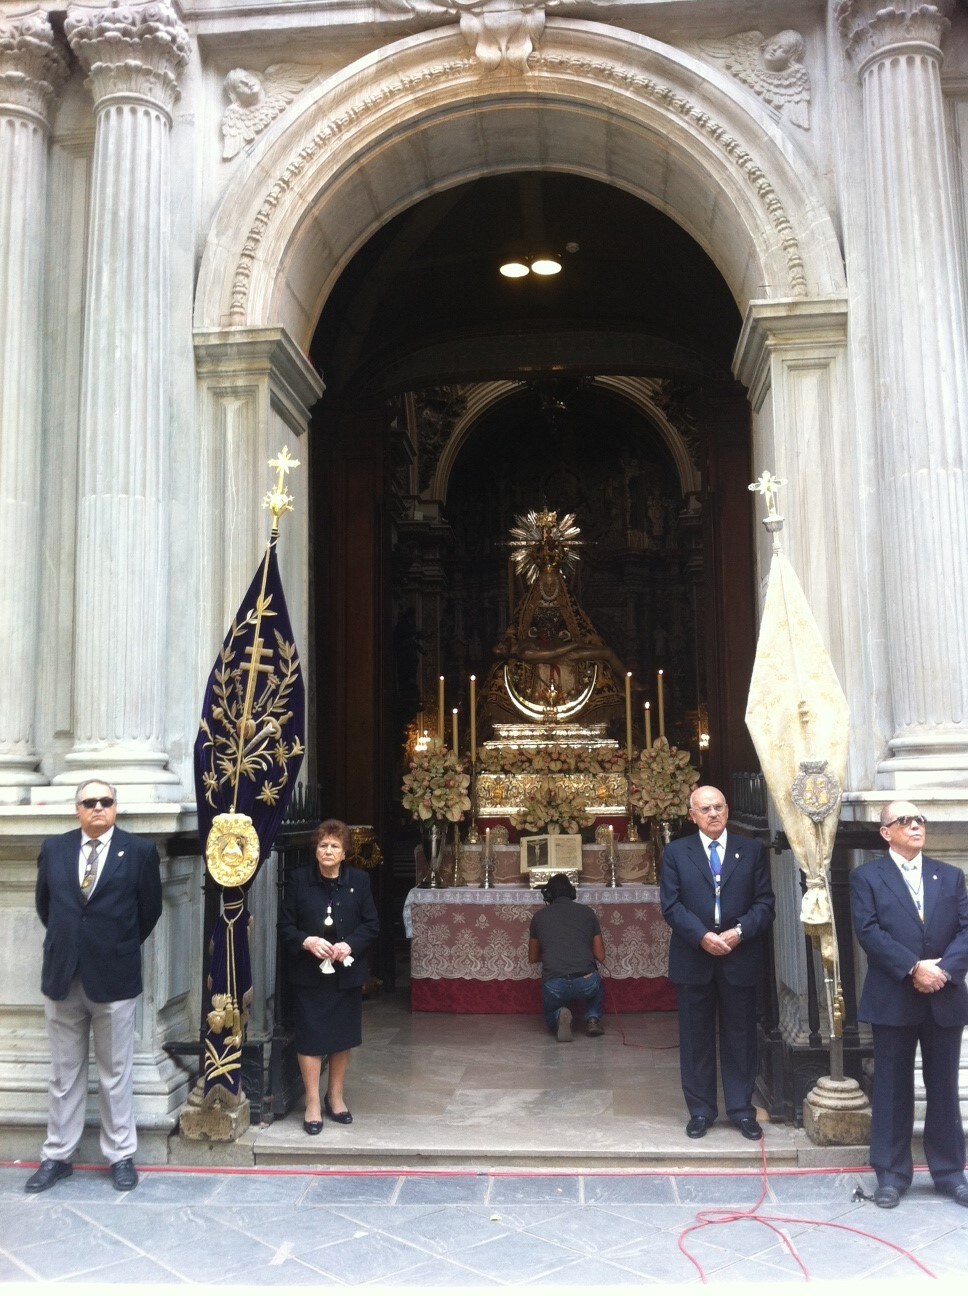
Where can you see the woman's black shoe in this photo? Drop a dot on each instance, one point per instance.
(341, 1118)
(313, 1127)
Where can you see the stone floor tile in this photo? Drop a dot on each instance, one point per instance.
(296, 1232)
(516, 1257)
(224, 1254)
(830, 1254)
(445, 1189)
(442, 1273)
(156, 1187)
(720, 1190)
(533, 1188)
(367, 1257)
(441, 1231)
(82, 1253)
(337, 1188)
(586, 1272)
(131, 1273)
(11, 1271)
(606, 1189)
(787, 1188)
(588, 1230)
(514, 1216)
(35, 1220)
(269, 1189)
(153, 1228)
(289, 1273)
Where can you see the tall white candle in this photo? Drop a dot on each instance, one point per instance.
(473, 717)
(647, 708)
(440, 710)
(628, 715)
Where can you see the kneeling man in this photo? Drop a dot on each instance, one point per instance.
(566, 940)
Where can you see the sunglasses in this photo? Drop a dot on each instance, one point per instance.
(92, 803)
(906, 820)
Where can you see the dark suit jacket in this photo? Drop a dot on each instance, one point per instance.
(894, 939)
(100, 940)
(304, 911)
(688, 898)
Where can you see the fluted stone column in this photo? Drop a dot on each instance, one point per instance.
(134, 55)
(32, 70)
(921, 377)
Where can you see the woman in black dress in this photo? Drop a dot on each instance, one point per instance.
(327, 921)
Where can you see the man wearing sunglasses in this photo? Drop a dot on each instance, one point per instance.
(99, 897)
(911, 917)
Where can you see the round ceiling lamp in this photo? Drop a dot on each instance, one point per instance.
(515, 268)
(545, 264)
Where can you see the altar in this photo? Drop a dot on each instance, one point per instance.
(469, 950)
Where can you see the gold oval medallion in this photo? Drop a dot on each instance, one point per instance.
(232, 850)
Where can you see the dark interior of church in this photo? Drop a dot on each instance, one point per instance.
(456, 400)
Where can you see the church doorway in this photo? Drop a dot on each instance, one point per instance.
(458, 400)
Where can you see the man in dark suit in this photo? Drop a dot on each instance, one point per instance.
(716, 896)
(911, 917)
(99, 897)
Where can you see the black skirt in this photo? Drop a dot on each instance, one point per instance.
(326, 1018)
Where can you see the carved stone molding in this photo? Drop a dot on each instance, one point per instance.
(586, 69)
(130, 51)
(873, 30)
(33, 66)
(673, 101)
(320, 141)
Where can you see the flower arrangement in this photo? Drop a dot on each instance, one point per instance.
(662, 780)
(436, 786)
(553, 759)
(550, 804)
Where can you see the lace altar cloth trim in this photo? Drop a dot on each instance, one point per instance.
(482, 936)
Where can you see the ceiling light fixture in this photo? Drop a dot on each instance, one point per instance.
(545, 264)
(515, 268)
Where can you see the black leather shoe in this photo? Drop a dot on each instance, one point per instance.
(341, 1118)
(47, 1175)
(959, 1193)
(594, 1027)
(313, 1127)
(697, 1126)
(886, 1197)
(750, 1128)
(123, 1175)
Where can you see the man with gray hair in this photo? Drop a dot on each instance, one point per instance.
(99, 897)
(910, 915)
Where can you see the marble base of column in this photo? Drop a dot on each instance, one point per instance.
(18, 776)
(139, 775)
(929, 760)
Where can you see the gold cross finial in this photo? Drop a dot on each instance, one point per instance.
(278, 500)
(767, 485)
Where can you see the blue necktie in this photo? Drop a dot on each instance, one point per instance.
(714, 869)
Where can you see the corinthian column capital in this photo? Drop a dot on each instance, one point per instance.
(873, 30)
(33, 66)
(130, 51)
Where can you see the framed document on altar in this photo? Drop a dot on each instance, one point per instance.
(551, 853)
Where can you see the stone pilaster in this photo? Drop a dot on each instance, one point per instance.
(134, 55)
(32, 70)
(921, 381)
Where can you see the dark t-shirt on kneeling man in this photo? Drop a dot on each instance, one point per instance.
(565, 930)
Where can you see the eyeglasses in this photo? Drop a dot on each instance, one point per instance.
(906, 820)
(92, 803)
(705, 811)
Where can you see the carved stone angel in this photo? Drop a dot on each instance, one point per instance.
(497, 31)
(255, 101)
(771, 68)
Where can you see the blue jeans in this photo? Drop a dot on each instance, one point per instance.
(561, 991)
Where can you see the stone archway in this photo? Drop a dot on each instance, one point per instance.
(421, 116)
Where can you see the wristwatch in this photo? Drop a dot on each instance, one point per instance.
(738, 929)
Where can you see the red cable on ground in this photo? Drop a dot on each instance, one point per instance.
(724, 1216)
